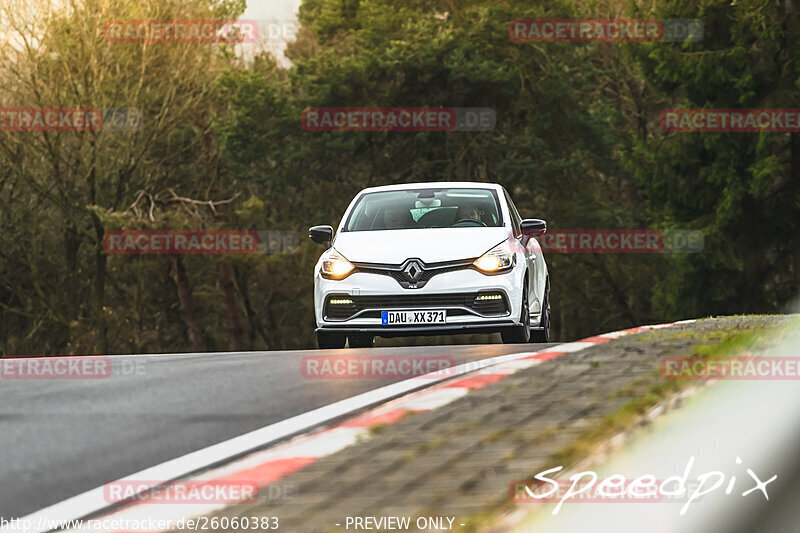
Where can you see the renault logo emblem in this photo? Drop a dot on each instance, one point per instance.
(413, 271)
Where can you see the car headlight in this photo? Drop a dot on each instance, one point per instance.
(497, 259)
(335, 266)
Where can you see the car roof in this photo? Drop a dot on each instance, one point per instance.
(436, 185)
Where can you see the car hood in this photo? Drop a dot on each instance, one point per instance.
(432, 245)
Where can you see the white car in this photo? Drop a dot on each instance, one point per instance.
(431, 259)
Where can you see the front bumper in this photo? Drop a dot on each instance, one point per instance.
(413, 331)
(447, 287)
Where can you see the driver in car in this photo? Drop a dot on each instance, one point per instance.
(397, 218)
(468, 213)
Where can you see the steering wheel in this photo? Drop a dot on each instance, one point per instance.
(472, 220)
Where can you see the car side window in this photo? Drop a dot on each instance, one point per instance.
(515, 218)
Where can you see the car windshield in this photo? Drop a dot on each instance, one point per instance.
(425, 208)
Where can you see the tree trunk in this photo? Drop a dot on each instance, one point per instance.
(178, 274)
(792, 31)
(234, 324)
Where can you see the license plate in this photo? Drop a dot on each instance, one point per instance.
(434, 316)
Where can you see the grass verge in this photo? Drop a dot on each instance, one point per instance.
(742, 338)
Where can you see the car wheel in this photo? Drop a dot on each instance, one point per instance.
(361, 341)
(519, 334)
(543, 334)
(328, 340)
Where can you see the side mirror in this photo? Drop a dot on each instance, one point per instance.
(534, 226)
(321, 234)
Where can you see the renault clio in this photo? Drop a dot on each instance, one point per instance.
(431, 259)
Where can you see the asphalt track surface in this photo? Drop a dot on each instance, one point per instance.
(61, 437)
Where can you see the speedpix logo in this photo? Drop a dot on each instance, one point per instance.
(645, 488)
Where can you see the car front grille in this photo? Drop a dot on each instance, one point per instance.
(401, 278)
(426, 271)
(487, 303)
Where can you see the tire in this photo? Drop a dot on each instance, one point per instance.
(361, 341)
(543, 335)
(328, 340)
(519, 334)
